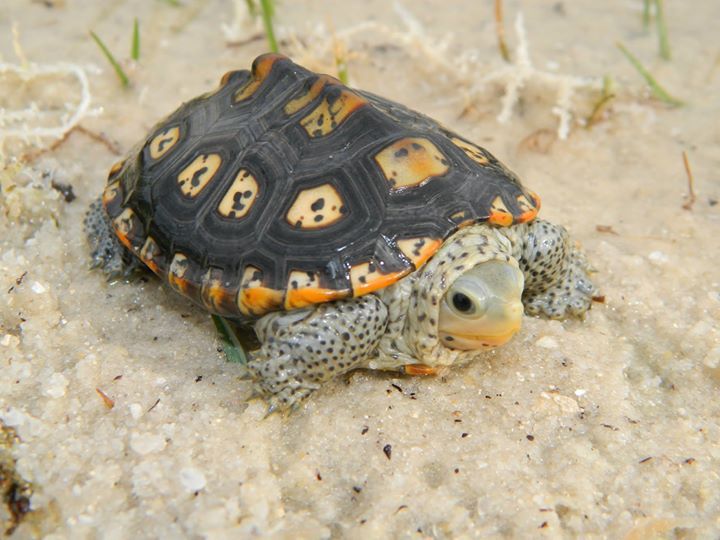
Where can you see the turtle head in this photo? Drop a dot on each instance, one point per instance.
(483, 307)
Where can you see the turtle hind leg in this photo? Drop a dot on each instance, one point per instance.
(106, 251)
(557, 282)
(304, 348)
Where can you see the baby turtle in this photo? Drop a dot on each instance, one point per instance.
(350, 230)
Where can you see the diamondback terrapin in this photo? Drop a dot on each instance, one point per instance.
(350, 230)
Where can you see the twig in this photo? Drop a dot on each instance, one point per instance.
(500, 31)
(657, 90)
(606, 229)
(691, 184)
(135, 49)
(98, 137)
(662, 30)
(605, 97)
(107, 400)
(114, 63)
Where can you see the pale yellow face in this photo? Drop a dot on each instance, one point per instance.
(483, 307)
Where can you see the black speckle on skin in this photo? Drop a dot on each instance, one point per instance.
(403, 152)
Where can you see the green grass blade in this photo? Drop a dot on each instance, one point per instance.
(231, 345)
(268, 13)
(135, 50)
(114, 63)
(646, 14)
(175, 3)
(662, 30)
(251, 7)
(657, 90)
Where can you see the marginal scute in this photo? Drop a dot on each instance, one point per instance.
(419, 250)
(240, 196)
(365, 277)
(529, 209)
(304, 289)
(115, 169)
(164, 141)
(216, 296)
(410, 162)
(294, 105)
(316, 208)
(260, 70)
(176, 273)
(472, 151)
(150, 254)
(499, 214)
(254, 299)
(111, 194)
(193, 178)
(331, 112)
(128, 229)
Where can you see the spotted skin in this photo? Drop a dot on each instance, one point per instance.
(106, 251)
(299, 348)
(302, 349)
(556, 271)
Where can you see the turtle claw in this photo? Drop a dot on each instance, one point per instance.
(272, 408)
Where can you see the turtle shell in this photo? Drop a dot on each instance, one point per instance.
(284, 188)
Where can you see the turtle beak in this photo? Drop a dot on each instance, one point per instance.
(510, 313)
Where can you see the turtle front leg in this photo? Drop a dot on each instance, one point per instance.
(302, 349)
(106, 250)
(556, 272)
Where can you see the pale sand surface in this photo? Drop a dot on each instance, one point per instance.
(606, 428)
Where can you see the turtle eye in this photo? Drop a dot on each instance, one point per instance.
(462, 303)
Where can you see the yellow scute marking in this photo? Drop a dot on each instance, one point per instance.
(240, 197)
(163, 142)
(499, 214)
(124, 226)
(331, 112)
(254, 298)
(315, 208)
(215, 295)
(419, 250)
(112, 191)
(411, 162)
(303, 289)
(149, 253)
(260, 70)
(473, 152)
(176, 272)
(196, 176)
(294, 105)
(365, 278)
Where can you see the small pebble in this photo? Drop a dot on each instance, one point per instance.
(135, 410)
(192, 479)
(38, 288)
(56, 386)
(658, 257)
(547, 342)
(146, 443)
